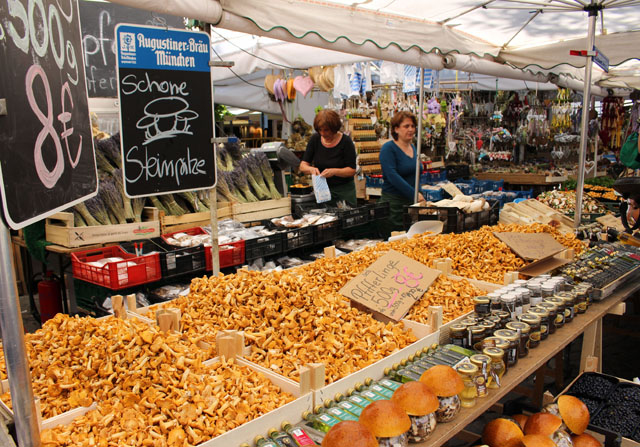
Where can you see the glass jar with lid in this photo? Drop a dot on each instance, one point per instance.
(519, 302)
(543, 314)
(526, 298)
(468, 373)
(482, 362)
(559, 303)
(475, 334)
(494, 301)
(482, 306)
(511, 353)
(494, 319)
(581, 301)
(497, 367)
(523, 330)
(504, 317)
(547, 290)
(569, 301)
(520, 282)
(534, 323)
(535, 291)
(458, 334)
(553, 314)
(509, 304)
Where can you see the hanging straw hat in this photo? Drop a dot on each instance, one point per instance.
(315, 72)
(325, 80)
(269, 81)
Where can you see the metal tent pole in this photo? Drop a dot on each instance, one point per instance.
(419, 145)
(24, 408)
(593, 15)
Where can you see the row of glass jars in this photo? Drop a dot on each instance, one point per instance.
(522, 330)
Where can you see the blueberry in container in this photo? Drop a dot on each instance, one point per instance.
(617, 419)
(627, 395)
(594, 385)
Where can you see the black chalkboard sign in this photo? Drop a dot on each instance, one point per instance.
(166, 110)
(47, 161)
(98, 20)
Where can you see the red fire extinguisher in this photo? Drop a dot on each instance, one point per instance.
(50, 296)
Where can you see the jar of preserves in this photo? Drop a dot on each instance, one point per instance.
(468, 372)
(509, 304)
(504, 317)
(523, 330)
(489, 326)
(559, 303)
(543, 314)
(475, 334)
(547, 290)
(526, 298)
(553, 314)
(569, 301)
(497, 367)
(511, 353)
(534, 323)
(494, 301)
(581, 301)
(482, 306)
(504, 345)
(494, 319)
(458, 335)
(481, 362)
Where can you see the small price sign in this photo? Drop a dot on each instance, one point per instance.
(391, 285)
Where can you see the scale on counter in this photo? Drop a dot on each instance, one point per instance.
(271, 149)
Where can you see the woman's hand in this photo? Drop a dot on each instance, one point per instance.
(329, 172)
(421, 198)
(306, 168)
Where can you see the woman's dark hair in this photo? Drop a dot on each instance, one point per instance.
(329, 119)
(636, 198)
(398, 118)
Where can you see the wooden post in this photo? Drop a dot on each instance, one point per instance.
(591, 343)
(305, 380)
(132, 306)
(118, 307)
(330, 252)
(317, 375)
(435, 317)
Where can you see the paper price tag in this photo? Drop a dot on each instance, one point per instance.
(391, 285)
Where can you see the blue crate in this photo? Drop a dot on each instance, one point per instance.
(525, 194)
(495, 185)
(484, 185)
(465, 188)
(432, 195)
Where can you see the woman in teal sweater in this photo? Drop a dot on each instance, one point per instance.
(398, 160)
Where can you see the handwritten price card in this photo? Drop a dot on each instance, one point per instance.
(391, 285)
(166, 110)
(47, 162)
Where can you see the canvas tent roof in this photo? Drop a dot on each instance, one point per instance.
(476, 38)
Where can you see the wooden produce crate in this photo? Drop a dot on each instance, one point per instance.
(245, 432)
(171, 224)
(375, 371)
(264, 209)
(532, 211)
(59, 230)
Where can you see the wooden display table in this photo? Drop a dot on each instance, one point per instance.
(536, 359)
(521, 178)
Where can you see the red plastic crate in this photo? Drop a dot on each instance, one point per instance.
(228, 257)
(119, 274)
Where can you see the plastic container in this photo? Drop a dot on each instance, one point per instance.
(131, 271)
(297, 238)
(326, 232)
(229, 254)
(379, 211)
(351, 217)
(174, 260)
